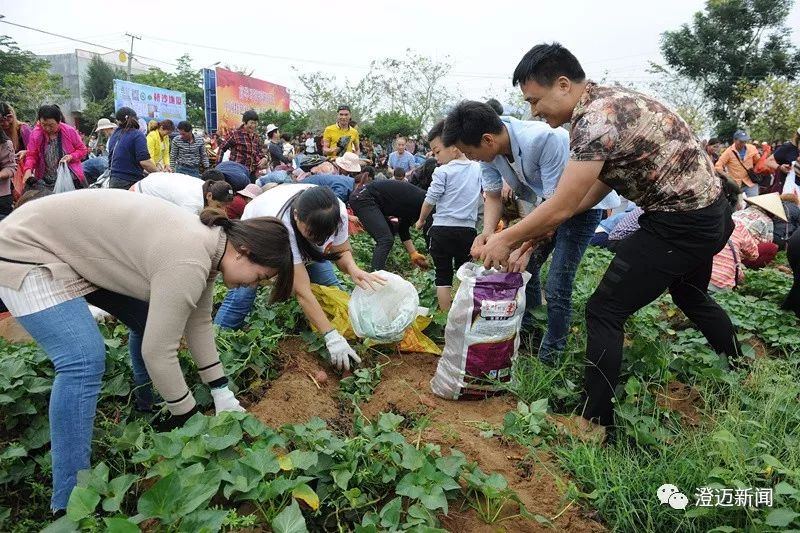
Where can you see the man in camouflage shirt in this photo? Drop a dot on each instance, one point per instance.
(628, 142)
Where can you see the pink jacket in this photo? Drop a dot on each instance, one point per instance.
(70, 142)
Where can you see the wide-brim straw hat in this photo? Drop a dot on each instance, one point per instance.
(771, 203)
(349, 162)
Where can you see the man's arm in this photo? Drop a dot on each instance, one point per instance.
(578, 180)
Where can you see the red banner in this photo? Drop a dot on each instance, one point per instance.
(236, 93)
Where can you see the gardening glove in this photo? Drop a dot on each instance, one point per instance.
(170, 422)
(340, 351)
(419, 260)
(224, 400)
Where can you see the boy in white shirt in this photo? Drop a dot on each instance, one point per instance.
(455, 192)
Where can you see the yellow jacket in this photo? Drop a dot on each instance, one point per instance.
(159, 150)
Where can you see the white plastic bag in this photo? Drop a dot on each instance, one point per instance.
(63, 179)
(385, 313)
(482, 333)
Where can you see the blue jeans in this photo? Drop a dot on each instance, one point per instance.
(189, 171)
(132, 313)
(276, 176)
(238, 302)
(71, 339)
(567, 246)
(752, 190)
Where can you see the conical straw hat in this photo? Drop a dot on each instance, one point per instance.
(771, 203)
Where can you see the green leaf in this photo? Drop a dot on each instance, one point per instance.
(13, 452)
(222, 434)
(168, 445)
(725, 436)
(781, 517)
(302, 459)
(290, 520)
(389, 421)
(262, 461)
(118, 524)
(82, 503)
(62, 525)
(390, 514)
(203, 521)
(118, 487)
(198, 489)
(413, 459)
(160, 500)
(722, 529)
(341, 478)
(784, 488)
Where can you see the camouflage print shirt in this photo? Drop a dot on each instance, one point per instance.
(651, 156)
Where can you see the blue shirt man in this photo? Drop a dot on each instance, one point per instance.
(529, 156)
(400, 158)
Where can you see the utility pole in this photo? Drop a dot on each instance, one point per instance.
(130, 56)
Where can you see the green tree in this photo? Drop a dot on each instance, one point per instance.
(291, 122)
(412, 85)
(771, 110)
(98, 92)
(185, 79)
(685, 96)
(25, 80)
(385, 126)
(99, 81)
(732, 43)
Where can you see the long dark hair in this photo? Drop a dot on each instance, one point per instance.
(318, 209)
(265, 242)
(127, 119)
(220, 191)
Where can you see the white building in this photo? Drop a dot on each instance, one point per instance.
(73, 67)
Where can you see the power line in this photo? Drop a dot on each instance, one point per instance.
(82, 41)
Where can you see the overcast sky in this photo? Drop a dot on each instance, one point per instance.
(483, 43)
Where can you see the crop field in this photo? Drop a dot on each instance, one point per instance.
(376, 451)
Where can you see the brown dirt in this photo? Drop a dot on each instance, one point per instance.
(684, 399)
(404, 389)
(11, 330)
(293, 398)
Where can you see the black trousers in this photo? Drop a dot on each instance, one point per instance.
(449, 249)
(377, 225)
(792, 301)
(645, 266)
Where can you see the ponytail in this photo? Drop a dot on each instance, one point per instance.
(318, 208)
(215, 217)
(264, 241)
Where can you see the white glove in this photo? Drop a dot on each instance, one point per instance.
(340, 351)
(224, 400)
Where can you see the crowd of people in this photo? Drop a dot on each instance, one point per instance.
(160, 215)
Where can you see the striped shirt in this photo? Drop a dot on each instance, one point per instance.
(40, 291)
(741, 245)
(190, 154)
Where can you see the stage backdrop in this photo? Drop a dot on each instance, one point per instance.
(236, 93)
(150, 103)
